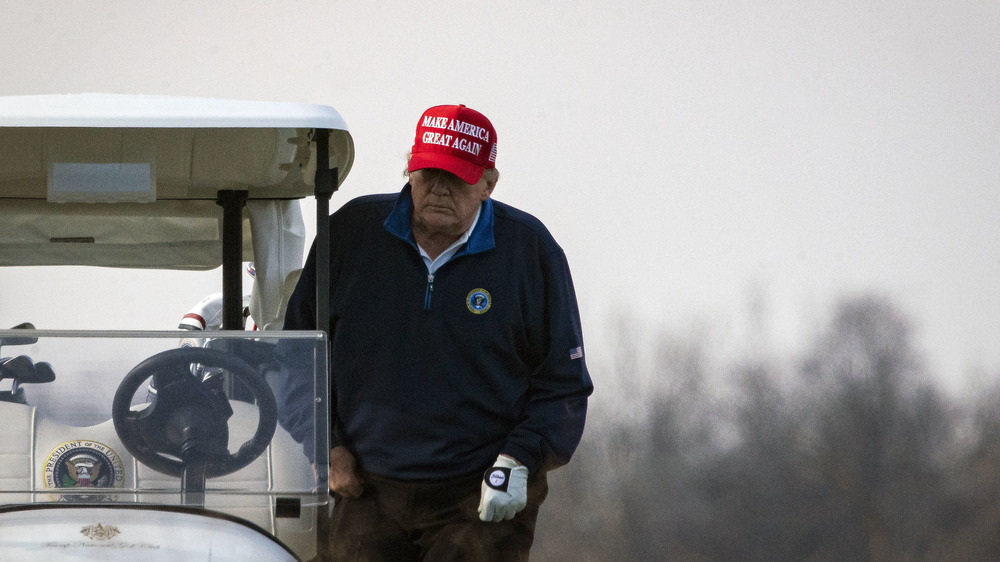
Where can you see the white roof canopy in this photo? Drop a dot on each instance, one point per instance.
(113, 147)
(133, 181)
(121, 110)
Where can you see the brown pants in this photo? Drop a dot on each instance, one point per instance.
(429, 521)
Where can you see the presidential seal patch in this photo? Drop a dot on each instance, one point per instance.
(84, 464)
(478, 301)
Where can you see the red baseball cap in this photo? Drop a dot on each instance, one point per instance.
(456, 139)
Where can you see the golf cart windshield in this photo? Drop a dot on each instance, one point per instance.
(81, 427)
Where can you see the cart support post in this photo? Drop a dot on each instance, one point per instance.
(326, 184)
(232, 202)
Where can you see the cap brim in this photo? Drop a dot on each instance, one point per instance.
(469, 172)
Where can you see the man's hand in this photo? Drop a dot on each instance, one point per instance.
(344, 478)
(504, 490)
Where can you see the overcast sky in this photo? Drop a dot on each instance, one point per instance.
(696, 159)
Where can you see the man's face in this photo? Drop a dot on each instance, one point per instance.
(443, 204)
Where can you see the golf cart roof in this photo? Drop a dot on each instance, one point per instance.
(133, 181)
(120, 110)
(115, 148)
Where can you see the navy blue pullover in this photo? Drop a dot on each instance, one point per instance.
(435, 375)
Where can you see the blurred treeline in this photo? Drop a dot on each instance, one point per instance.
(850, 452)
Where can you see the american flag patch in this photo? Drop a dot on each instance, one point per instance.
(576, 353)
(493, 153)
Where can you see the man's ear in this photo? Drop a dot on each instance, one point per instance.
(489, 189)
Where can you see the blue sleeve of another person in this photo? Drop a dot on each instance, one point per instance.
(296, 393)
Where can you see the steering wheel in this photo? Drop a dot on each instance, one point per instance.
(187, 422)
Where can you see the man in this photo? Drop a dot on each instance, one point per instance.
(456, 359)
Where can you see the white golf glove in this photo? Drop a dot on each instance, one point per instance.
(504, 490)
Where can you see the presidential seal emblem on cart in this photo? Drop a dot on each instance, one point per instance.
(84, 464)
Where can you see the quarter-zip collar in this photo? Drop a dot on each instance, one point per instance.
(480, 240)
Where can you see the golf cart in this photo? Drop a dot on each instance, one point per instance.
(94, 465)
